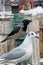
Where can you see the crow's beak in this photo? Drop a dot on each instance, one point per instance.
(37, 36)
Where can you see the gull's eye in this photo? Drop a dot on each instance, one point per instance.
(28, 34)
(31, 33)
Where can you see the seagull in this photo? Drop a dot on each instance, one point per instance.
(22, 52)
(18, 30)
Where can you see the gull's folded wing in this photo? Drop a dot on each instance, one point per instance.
(14, 55)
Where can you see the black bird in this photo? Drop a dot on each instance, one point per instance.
(18, 30)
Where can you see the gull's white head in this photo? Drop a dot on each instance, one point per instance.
(32, 34)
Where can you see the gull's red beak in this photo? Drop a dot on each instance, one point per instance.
(37, 36)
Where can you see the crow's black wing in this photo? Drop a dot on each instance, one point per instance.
(14, 31)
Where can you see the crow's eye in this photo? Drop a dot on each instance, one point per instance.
(31, 33)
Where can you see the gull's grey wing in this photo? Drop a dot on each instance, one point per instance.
(14, 55)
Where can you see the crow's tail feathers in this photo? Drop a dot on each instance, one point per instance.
(4, 40)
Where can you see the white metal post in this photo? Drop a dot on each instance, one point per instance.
(36, 54)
